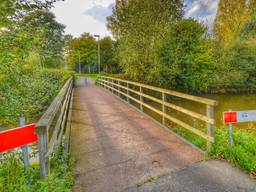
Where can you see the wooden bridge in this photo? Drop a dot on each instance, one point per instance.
(120, 148)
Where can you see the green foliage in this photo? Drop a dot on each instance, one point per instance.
(139, 27)
(13, 176)
(162, 48)
(46, 36)
(107, 51)
(29, 94)
(13, 10)
(83, 50)
(235, 66)
(187, 57)
(242, 154)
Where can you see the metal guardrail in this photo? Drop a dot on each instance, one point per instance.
(124, 88)
(54, 125)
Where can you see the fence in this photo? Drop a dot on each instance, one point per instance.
(127, 89)
(54, 125)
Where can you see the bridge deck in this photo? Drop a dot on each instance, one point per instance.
(118, 147)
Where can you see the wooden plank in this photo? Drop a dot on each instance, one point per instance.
(65, 114)
(42, 146)
(141, 99)
(54, 140)
(170, 92)
(48, 116)
(175, 107)
(210, 127)
(164, 110)
(68, 126)
(188, 127)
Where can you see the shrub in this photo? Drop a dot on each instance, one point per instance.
(29, 93)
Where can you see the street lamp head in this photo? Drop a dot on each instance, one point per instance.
(96, 35)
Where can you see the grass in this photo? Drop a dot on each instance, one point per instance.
(92, 75)
(242, 154)
(13, 176)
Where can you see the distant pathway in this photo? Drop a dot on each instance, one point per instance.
(119, 149)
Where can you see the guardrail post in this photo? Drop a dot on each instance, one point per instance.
(163, 108)
(210, 127)
(141, 99)
(42, 145)
(112, 85)
(128, 93)
(118, 82)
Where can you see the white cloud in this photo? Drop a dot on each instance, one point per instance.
(89, 15)
(99, 12)
(203, 10)
(71, 14)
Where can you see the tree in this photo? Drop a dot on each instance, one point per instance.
(47, 36)
(139, 26)
(107, 51)
(83, 50)
(11, 10)
(231, 16)
(187, 57)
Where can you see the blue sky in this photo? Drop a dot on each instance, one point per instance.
(90, 15)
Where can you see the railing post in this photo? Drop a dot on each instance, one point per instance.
(42, 146)
(128, 92)
(141, 99)
(118, 82)
(210, 127)
(112, 85)
(163, 108)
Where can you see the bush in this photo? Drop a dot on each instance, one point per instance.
(241, 154)
(28, 93)
(13, 177)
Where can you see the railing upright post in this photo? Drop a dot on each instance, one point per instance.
(210, 126)
(141, 99)
(164, 108)
(42, 145)
(128, 92)
(112, 85)
(118, 82)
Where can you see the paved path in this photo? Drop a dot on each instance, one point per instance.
(205, 176)
(116, 146)
(119, 149)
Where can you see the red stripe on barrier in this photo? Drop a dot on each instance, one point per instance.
(18, 137)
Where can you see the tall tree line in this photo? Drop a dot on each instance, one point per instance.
(156, 44)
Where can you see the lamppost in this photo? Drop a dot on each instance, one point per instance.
(98, 36)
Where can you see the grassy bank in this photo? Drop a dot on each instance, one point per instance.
(13, 178)
(92, 75)
(242, 154)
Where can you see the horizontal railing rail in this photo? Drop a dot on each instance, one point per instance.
(53, 126)
(124, 88)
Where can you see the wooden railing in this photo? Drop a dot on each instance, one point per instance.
(54, 126)
(127, 89)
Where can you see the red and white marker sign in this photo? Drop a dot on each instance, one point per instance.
(239, 116)
(18, 137)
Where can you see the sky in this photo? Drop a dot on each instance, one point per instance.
(81, 16)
